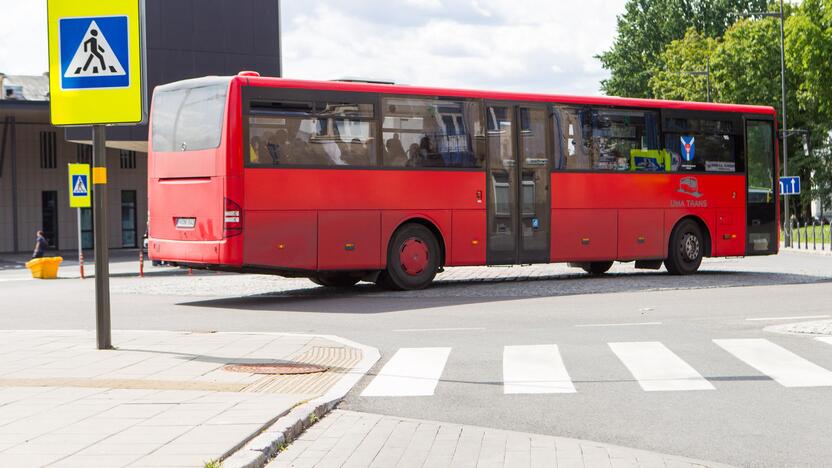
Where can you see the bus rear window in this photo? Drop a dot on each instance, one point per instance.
(188, 119)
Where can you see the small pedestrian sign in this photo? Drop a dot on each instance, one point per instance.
(96, 57)
(79, 186)
(790, 186)
(94, 52)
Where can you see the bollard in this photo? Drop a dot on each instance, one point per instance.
(81, 264)
(141, 263)
(806, 234)
(190, 271)
(814, 236)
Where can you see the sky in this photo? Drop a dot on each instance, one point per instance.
(517, 45)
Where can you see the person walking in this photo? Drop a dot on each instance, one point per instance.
(40, 245)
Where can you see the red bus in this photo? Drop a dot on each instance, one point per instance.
(341, 182)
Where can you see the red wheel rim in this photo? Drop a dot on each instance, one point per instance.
(414, 256)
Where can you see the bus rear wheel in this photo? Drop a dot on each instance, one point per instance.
(334, 280)
(597, 268)
(687, 248)
(412, 259)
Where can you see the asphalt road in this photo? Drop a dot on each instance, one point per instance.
(745, 418)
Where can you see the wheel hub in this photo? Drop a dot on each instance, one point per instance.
(690, 247)
(414, 256)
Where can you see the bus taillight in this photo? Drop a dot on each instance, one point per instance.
(233, 219)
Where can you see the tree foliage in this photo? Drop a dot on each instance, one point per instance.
(647, 26)
(685, 64)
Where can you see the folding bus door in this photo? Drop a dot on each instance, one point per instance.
(518, 184)
(762, 192)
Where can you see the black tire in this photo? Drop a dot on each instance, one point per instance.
(597, 268)
(335, 280)
(412, 259)
(686, 249)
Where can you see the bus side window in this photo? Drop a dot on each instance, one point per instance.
(601, 139)
(427, 132)
(311, 134)
(704, 145)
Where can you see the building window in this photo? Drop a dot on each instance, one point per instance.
(128, 159)
(87, 236)
(129, 236)
(83, 154)
(48, 150)
(49, 217)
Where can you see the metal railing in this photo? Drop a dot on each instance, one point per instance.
(809, 235)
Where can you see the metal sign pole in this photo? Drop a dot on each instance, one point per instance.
(102, 264)
(80, 246)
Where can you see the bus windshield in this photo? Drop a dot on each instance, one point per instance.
(188, 118)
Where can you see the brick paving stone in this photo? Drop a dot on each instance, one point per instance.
(355, 439)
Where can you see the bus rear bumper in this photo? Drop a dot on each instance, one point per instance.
(179, 251)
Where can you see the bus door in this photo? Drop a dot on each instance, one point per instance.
(518, 184)
(761, 216)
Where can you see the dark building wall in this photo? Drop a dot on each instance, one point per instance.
(193, 38)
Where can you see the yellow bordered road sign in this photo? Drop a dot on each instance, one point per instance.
(79, 186)
(96, 62)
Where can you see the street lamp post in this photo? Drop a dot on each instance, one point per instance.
(706, 73)
(782, 17)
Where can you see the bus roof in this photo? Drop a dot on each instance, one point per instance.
(501, 95)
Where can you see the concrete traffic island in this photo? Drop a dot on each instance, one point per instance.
(166, 398)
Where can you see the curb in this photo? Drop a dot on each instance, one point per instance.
(819, 253)
(794, 328)
(286, 427)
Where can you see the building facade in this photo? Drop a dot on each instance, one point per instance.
(34, 186)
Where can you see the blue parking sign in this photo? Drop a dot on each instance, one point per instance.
(94, 52)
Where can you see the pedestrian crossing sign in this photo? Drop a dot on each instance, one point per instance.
(93, 51)
(96, 55)
(79, 186)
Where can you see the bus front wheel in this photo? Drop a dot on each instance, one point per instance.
(412, 259)
(687, 247)
(334, 280)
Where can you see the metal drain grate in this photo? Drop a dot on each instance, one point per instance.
(282, 368)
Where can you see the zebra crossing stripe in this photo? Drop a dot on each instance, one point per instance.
(787, 368)
(410, 372)
(535, 369)
(825, 339)
(657, 368)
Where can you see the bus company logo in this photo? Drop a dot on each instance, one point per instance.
(688, 148)
(690, 186)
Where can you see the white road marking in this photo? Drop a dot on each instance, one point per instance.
(633, 324)
(535, 369)
(410, 372)
(657, 368)
(8, 280)
(825, 339)
(787, 368)
(405, 330)
(799, 317)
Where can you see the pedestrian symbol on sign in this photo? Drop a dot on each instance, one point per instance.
(94, 52)
(79, 185)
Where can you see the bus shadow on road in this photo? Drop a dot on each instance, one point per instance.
(369, 299)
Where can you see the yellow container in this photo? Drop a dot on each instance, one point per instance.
(44, 268)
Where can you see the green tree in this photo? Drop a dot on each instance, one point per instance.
(647, 26)
(673, 79)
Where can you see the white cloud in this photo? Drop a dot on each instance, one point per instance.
(524, 45)
(23, 38)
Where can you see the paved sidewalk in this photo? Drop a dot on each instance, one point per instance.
(352, 439)
(160, 399)
(123, 262)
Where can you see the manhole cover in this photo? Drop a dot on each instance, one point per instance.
(285, 368)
